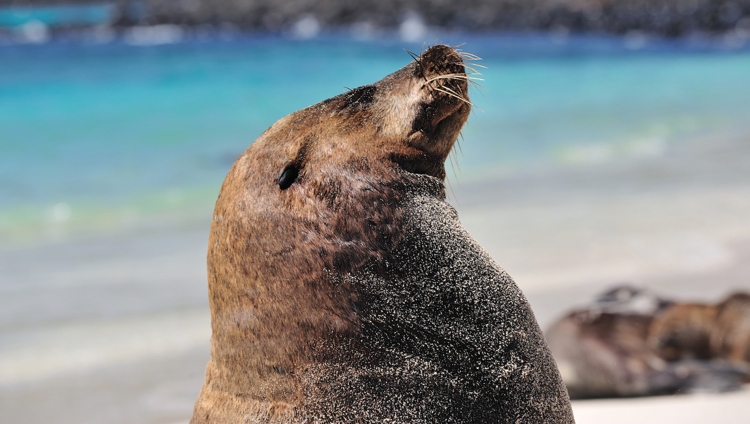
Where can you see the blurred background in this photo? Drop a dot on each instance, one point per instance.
(610, 144)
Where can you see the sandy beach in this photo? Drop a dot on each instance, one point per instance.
(115, 329)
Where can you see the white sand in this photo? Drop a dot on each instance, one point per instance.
(724, 408)
(83, 345)
(116, 330)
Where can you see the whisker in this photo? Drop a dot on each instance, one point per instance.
(471, 68)
(469, 56)
(454, 152)
(468, 69)
(472, 63)
(455, 76)
(473, 83)
(477, 85)
(470, 80)
(455, 176)
(448, 180)
(452, 93)
(419, 62)
(461, 136)
(480, 88)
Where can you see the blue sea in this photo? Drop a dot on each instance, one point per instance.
(98, 137)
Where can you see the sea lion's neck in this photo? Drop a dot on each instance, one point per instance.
(422, 163)
(423, 184)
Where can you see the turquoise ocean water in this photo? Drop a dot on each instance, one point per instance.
(96, 137)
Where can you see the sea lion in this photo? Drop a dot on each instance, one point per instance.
(730, 338)
(342, 286)
(601, 349)
(683, 331)
(631, 342)
(704, 331)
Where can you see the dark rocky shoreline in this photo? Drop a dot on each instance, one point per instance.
(671, 18)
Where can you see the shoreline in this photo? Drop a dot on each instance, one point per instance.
(174, 34)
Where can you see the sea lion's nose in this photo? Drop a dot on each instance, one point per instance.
(441, 60)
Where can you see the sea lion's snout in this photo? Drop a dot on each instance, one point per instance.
(444, 75)
(443, 104)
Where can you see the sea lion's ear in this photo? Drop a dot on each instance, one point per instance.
(288, 175)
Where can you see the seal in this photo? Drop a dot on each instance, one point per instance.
(342, 286)
(704, 331)
(631, 342)
(602, 351)
(683, 331)
(730, 338)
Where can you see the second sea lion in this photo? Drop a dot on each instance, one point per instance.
(730, 338)
(631, 342)
(704, 330)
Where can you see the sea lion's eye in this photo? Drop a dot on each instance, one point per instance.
(288, 175)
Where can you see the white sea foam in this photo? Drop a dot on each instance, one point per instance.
(307, 27)
(646, 147)
(33, 32)
(725, 408)
(153, 35)
(412, 28)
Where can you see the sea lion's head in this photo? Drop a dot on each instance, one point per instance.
(418, 110)
(411, 119)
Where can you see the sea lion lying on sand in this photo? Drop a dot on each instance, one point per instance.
(683, 331)
(704, 331)
(601, 350)
(608, 349)
(731, 336)
(344, 289)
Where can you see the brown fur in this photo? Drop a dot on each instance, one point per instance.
(683, 331)
(731, 336)
(618, 347)
(602, 354)
(704, 331)
(272, 251)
